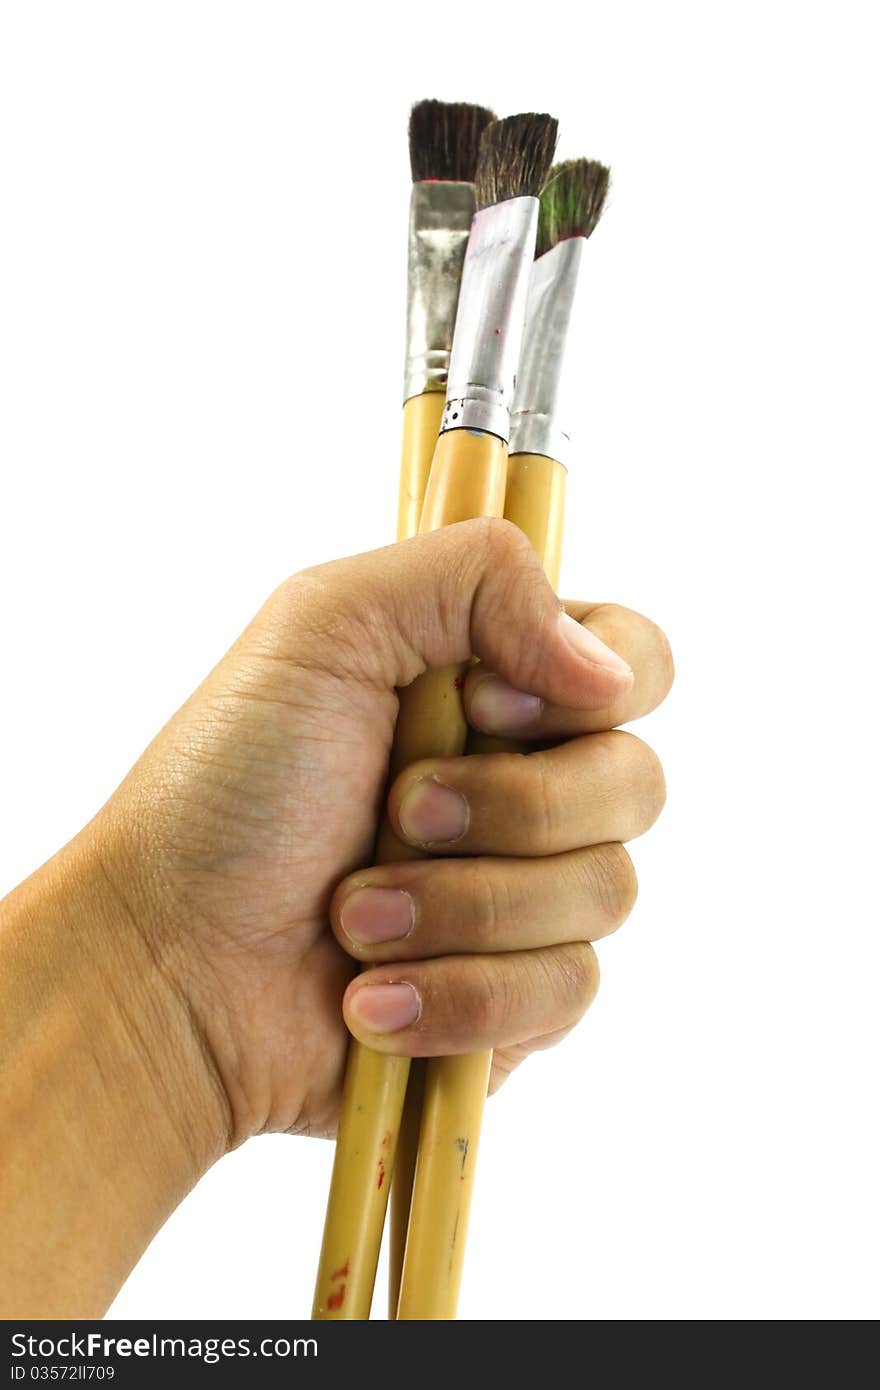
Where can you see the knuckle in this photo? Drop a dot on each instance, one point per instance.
(504, 542)
(664, 661)
(577, 970)
(615, 884)
(643, 778)
(489, 543)
(332, 617)
(613, 622)
(655, 664)
(308, 588)
(460, 1000)
(540, 792)
(518, 588)
(652, 784)
(490, 893)
(488, 997)
(652, 640)
(308, 602)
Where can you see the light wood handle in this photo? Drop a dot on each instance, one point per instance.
(404, 1178)
(372, 1096)
(535, 502)
(452, 1112)
(467, 480)
(421, 425)
(455, 1087)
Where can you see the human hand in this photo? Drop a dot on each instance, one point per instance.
(245, 827)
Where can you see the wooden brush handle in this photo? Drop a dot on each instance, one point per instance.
(467, 480)
(455, 1087)
(374, 1085)
(535, 502)
(404, 1178)
(421, 425)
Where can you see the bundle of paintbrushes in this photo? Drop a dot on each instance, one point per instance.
(495, 243)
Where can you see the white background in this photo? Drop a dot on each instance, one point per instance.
(202, 258)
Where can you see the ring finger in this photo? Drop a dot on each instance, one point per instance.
(438, 907)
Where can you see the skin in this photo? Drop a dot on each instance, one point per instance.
(180, 977)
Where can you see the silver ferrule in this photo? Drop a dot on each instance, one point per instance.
(534, 425)
(491, 313)
(440, 216)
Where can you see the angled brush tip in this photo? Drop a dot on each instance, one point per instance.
(571, 202)
(444, 139)
(515, 158)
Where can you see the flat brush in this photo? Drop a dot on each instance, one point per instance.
(444, 141)
(470, 458)
(467, 479)
(571, 205)
(443, 147)
(471, 453)
(455, 1088)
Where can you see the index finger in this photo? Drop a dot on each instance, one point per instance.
(492, 706)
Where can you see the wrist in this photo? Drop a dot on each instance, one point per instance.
(111, 1110)
(140, 961)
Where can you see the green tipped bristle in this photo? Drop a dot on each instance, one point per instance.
(571, 202)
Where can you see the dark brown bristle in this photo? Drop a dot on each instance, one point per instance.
(515, 158)
(571, 202)
(444, 140)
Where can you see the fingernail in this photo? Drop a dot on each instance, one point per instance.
(497, 707)
(386, 1008)
(377, 914)
(589, 646)
(433, 814)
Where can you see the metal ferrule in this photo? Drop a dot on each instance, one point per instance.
(534, 427)
(491, 313)
(440, 216)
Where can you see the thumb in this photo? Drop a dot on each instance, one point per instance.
(475, 589)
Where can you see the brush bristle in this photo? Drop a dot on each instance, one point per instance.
(571, 202)
(444, 140)
(515, 158)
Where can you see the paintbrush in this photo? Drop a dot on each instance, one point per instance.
(467, 479)
(444, 141)
(455, 1087)
(571, 206)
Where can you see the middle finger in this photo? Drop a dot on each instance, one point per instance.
(591, 790)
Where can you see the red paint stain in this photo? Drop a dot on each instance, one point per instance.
(458, 682)
(337, 1297)
(341, 1272)
(381, 1173)
(386, 1139)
